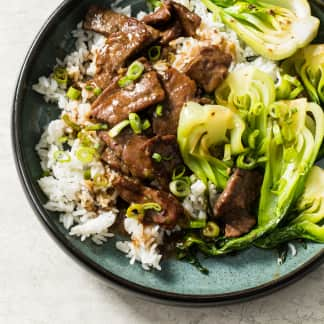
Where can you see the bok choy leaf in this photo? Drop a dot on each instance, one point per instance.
(306, 218)
(308, 64)
(296, 130)
(275, 29)
(206, 129)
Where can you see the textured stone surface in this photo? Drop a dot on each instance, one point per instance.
(39, 284)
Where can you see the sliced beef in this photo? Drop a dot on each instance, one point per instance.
(159, 17)
(115, 103)
(132, 154)
(138, 152)
(125, 37)
(234, 206)
(173, 31)
(189, 20)
(132, 191)
(179, 89)
(114, 151)
(209, 68)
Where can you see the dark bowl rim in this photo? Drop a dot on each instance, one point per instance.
(112, 279)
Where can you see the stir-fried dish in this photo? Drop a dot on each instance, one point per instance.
(194, 128)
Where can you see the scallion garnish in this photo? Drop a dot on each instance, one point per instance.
(63, 139)
(87, 174)
(135, 70)
(135, 123)
(178, 172)
(116, 130)
(96, 127)
(211, 230)
(146, 124)
(97, 91)
(85, 154)
(61, 76)
(84, 138)
(159, 111)
(199, 223)
(70, 123)
(154, 53)
(124, 82)
(73, 93)
(62, 156)
(137, 211)
(89, 87)
(100, 181)
(157, 157)
(180, 188)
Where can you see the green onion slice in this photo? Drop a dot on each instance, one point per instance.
(73, 93)
(137, 211)
(211, 230)
(100, 181)
(124, 82)
(159, 111)
(89, 87)
(67, 120)
(97, 92)
(84, 138)
(96, 127)
(61, 76)
(63, 139)
(135, 70)
(154, 53)
(135, 123)
(157, 157)
(85, 154)
(180, 188)
(199, 223)
(116, 130)
(178, 172)
(146, 124)
(62, 156)
(87, 174)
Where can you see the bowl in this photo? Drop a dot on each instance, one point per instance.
(242, 276)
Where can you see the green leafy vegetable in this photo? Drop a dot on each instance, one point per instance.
(275, 29)
(288, 87)
(300, 125)
(203, 129)
(308, 64)
(249, 92)
(308, 213)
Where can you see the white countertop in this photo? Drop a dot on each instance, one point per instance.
(39, 284)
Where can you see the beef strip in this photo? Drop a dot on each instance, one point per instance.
(114, 151)
(138, 152)
(126, 37)
(132, 191)
(189, 20)
(209, 68)
(159, 17)
(132, 154)
(179, 89)
(234, 205)
(115, 103)
(173, 31)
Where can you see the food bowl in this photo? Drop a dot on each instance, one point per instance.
(245, 275)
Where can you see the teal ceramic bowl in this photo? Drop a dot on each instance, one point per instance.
(246, 275)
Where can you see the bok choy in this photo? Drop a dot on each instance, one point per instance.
(308, 64)
(206, 129)
(296, 130)
(275, 29)
(306, 217)
(250, 92)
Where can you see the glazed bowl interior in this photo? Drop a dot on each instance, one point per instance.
(243, 275)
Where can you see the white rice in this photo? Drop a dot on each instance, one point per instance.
(67, 191)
